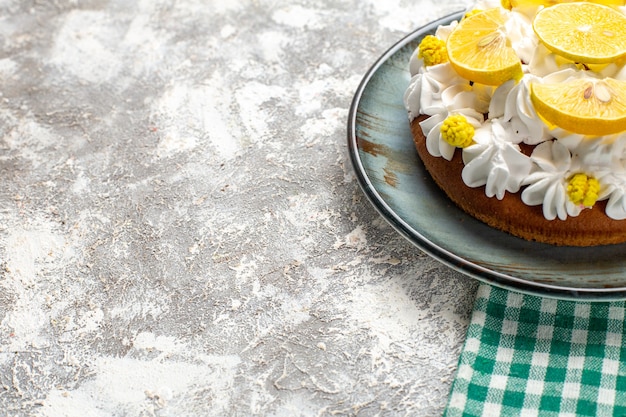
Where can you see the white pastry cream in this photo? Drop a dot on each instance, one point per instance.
(494, 160)
(504, 117)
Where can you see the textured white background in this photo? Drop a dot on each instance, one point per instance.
(181, 233)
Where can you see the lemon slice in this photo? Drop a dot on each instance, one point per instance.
(509, 4)
(479, 50)
(582, 32)
(587, 106)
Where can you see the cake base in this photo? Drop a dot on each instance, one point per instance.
(592, 227)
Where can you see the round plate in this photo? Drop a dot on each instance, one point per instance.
(396, 183)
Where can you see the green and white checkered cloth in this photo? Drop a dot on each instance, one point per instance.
(531, 356)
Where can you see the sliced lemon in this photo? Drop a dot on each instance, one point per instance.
(586, 106)
(582, 32)
(479, 50)
(509, 4)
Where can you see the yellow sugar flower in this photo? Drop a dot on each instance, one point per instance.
(432, 51)
(457, 131)
(583, 190)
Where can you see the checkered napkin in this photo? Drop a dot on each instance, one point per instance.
(532, 356)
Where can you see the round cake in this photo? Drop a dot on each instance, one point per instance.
(523, 126)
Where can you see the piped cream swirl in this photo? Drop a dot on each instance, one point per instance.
(494, 161)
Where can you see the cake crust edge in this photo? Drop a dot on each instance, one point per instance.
(592, 227)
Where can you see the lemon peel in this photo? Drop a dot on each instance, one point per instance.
(509, 4)
(583, 190)
(472, 13)
(479, 50)
(582, 32)
(457, 131)
(432, 51)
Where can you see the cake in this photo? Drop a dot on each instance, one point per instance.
(533, 144)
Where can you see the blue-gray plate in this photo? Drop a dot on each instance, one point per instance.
(395, 182)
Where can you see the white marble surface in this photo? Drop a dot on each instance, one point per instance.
(181, 233)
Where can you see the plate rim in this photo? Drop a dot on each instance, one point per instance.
(438, 252)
